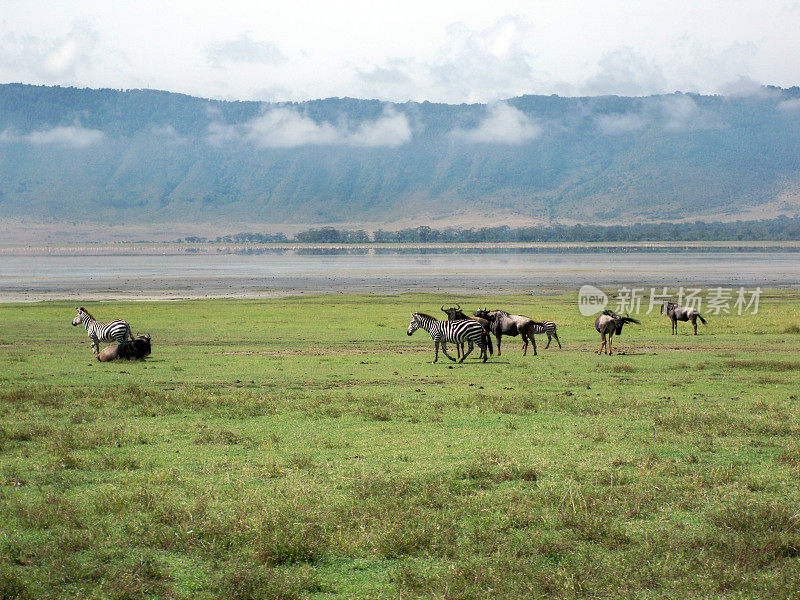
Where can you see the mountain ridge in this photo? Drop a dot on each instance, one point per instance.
(150, 156)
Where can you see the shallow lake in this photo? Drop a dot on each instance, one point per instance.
(25, 278)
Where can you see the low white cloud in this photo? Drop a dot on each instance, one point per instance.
(621, 123)
(391, 130)
(503, 124)
(682, 113)
(72, 136)
(244, 49)
(675, 112)
(744, 87)
(287, 128)
(790, 105)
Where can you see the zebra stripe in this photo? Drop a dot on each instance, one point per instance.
(547, 327)
(112, 331)
(444, 332)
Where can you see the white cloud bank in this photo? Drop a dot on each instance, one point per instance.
(792, 104)
(287, 128)
(503, 124)
(672, 113)
(71, 136)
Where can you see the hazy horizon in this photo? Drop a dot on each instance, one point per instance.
(441, 52)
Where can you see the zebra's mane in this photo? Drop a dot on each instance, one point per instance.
(88, 314)
(426, 316)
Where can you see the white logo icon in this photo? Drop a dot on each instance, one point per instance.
(591, 300)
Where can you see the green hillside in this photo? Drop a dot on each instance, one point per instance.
(150, 156)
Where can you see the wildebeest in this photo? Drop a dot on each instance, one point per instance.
(113, 331)
(450, 331)
(135, 349)
(502, 323)
(680, 313)
(609, 323)
(454, 313)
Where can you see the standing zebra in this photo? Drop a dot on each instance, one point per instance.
(113, 331)
(548, 328)
(442, 332)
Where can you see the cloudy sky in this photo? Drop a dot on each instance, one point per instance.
(412, 50)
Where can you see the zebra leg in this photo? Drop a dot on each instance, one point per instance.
(444, 351)
(555, 335)
(548, 341)
(470, 347)
(435, 352)
(95, 345)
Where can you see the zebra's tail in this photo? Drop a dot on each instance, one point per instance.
(702, 320)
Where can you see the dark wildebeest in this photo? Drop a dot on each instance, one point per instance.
(680, 313)
(135, 349)
(502, 323)
(456, 314)
(608, 324)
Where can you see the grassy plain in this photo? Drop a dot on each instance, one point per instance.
(306, 447)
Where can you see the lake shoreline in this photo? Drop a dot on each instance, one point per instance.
(135, 277)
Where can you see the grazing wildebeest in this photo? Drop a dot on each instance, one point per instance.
(135, 349)
(680, 313)
(454, 313)
(449, 331)
(608, 324)
(502, 323)
(113, 331)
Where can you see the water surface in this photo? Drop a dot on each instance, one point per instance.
(273, 274)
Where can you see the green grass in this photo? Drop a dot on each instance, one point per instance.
(307, 448)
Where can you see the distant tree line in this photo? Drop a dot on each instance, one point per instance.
(779, 229)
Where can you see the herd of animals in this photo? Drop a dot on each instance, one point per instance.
(459, 329)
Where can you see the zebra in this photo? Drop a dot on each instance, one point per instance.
(454, 313)
(113, 331)
(548, 328)
(442, 332)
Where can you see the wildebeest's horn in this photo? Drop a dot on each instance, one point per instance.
(458, 307)
(443, 310)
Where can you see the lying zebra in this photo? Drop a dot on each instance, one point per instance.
(113, 331)
(455, 332)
